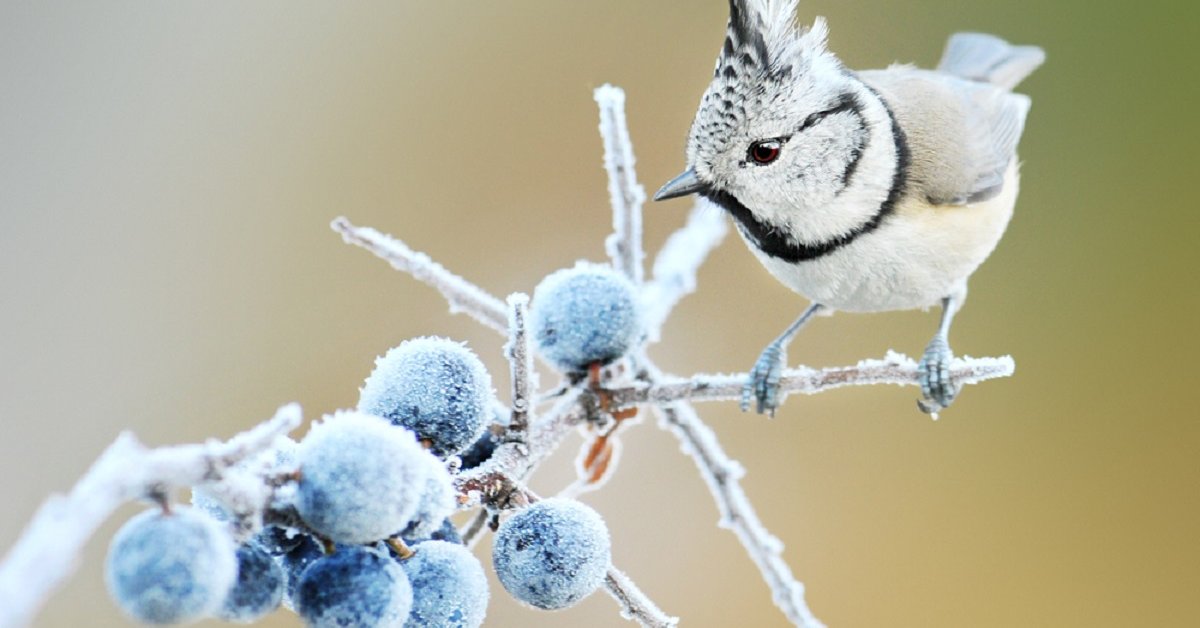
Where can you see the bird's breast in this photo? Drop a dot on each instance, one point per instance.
(917, 256)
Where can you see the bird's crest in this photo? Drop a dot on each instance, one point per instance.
(762, 41)
(764, 51)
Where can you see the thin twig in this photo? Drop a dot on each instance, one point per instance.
(722, 475)
(493, 483)
(627, 195)
(635, 605)
(893, 369)
(47, 551)
(513, 462)
(462, 295)
(520, 365)
(676, 264)
(473, 531)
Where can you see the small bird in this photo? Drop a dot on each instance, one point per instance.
(867, 191)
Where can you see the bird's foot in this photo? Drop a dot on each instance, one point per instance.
(934, 373)
(763, 383)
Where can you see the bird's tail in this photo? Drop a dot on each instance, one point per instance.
(989, 59)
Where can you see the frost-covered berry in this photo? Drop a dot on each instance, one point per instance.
(296, 561)
(585, 315)
(258, 589)
(354, 586)
(552, 554)
(437, 501)
(449, 587)
(435, 387)
(360, 478)
(170, 568)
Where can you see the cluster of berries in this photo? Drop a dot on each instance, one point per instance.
(374, 490)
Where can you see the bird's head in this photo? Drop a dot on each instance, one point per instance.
(781, 124)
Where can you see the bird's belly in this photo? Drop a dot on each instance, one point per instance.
(916, 257)
(865, 277)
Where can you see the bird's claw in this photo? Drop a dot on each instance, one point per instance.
(937, 387)
(763, 383)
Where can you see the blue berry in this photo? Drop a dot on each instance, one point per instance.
(479, 452)
(435, 387)
(449, 587)
(296, 561)
(437, 501)
(360, 478)
(259, 586)
(170, 568)
(552, 554)
(585, 315)
(278, 540)
(354, 586)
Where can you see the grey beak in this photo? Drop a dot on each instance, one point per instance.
(684, 184)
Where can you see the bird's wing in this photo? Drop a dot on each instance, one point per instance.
(962, 134)
(994, 121)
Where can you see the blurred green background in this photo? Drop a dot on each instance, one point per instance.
(168, 172)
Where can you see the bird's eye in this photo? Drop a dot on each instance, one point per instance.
(766, 151)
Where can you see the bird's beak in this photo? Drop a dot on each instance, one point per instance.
(684, 184)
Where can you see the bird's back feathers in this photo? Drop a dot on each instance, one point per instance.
(962, 121)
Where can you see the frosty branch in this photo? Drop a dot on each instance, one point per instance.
(634, 604)
(722, 476)
(47, 551)
(894, 369)
(626, 194)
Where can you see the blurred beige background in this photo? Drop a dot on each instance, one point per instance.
(168, 172)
